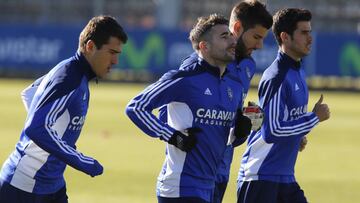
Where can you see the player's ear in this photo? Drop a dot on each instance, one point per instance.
(90, 46)
(238, 28)
(285, 37)
(203, 45)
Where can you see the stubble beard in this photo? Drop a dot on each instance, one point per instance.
(240, 49)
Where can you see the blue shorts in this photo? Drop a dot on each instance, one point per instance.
(219, 192)
(181, 200)
(270, 192)
(11, 194)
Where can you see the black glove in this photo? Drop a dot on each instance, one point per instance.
(242, 125)
(184, 142)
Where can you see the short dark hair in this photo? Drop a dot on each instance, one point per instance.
(203, 26)
(99, 29)
(251, 13)
(286, 20)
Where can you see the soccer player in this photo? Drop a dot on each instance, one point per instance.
(249, 23)
(201, 102)
(267, 168)
(56, 114)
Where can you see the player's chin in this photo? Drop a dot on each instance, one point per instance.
(231, 56)
(249, 52)
(306, 52)
(230, 53)
(103, 74)
(108, 70)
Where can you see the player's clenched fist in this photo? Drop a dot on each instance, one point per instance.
(321, 110)
(96, 170)
(242, 125)
(185, 141)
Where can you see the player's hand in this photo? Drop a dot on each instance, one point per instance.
(256, 115)
(303, 144)
(97, 169)
(321, 110)
(242, 125)
(184, 142)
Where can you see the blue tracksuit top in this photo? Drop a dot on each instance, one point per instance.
(53, 125)
(272, 151)
(195, 96)
(242, 71)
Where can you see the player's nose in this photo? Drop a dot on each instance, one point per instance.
(260, 44)
(115, 59)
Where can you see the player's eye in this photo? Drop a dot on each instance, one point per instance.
(257, 37)
(226, 35)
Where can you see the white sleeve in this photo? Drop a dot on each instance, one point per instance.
(28, 93)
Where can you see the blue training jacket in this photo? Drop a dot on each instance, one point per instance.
(53, 125)
(272, 151)
(195, 96)
(242, 71)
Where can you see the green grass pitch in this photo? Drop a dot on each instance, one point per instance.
(328, 170)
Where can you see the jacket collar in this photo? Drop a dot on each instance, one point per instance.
(289, 62)
(210, 68)
(85, 65)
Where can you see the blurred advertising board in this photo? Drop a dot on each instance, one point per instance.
(32, 50)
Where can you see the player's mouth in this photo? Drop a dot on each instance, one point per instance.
(232, 50)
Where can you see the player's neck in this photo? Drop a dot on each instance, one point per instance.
(290, 53)
(216, 63)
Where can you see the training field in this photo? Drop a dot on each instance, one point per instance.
(328, 169)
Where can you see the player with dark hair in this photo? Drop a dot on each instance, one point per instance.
(201, 102)
(267, 168)
(249, 23)
(57, 105)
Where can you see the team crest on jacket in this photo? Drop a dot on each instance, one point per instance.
(230, 93)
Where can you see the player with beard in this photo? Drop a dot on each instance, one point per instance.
(200, 95)
(249, 23)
